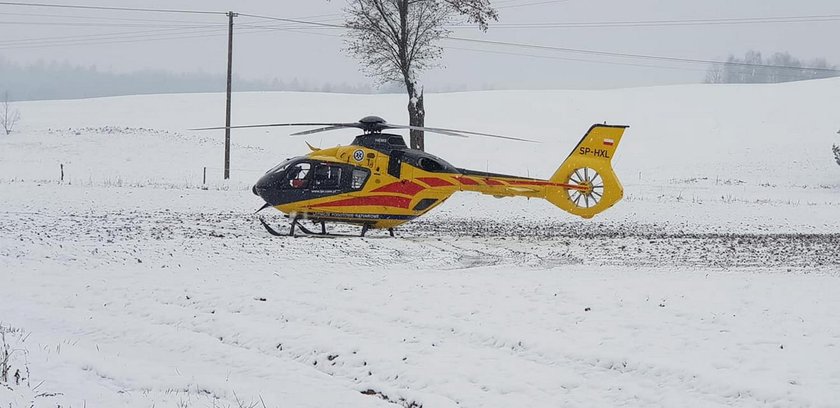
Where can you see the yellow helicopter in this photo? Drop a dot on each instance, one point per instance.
(378, 182)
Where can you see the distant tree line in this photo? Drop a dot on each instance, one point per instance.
(53, 80)
(753, 68)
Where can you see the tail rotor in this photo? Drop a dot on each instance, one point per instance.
(590, 185)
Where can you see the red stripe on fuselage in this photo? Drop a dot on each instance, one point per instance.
(467, 181)
(435, 182)
(386, 201)
(401, 187)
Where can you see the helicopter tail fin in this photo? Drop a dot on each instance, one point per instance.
(590, 185)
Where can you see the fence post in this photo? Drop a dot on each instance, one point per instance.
(62, 172)
(204, 180)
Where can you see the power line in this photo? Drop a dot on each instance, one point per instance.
(151, 35)
(593, 52)
(293, 29)
(82, 7)
(791, 75)
(628, 55)
(105, 17)
(629, 24)
(536, 3)
(98, 24)
(26, 41)
(319, 16)
(672, 59)
(661, 23)
(748, 20)
(332, 17)
(104, 41)
(554, 57)
(638, 23)
(144, 36)
(291, 20)
(609, 24)
(288, 27)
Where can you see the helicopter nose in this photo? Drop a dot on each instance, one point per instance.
(268, 187)
(262, 185)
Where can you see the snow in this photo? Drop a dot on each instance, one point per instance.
(713, 283)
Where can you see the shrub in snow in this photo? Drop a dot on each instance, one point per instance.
(9, 372)
(836, 153)
(14, 372)
(8, 117)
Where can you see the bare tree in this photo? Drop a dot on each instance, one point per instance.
(8, 116)
(397, 39)
(836, 150)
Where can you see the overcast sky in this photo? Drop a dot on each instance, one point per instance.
(315, 55)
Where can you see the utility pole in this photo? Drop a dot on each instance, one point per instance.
(230, 15)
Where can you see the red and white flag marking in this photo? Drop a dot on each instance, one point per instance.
(609, 142)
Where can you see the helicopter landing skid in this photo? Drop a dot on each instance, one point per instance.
(268, 228)
(309, 233)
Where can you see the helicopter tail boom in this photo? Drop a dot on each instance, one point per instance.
(584, 185)
(588, 169)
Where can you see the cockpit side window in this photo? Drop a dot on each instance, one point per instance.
(359, 178)
(280, 167)
(327, 176)
(297, 176)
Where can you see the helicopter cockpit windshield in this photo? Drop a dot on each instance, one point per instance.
(280, 167)
(297, 176)
(300, 178)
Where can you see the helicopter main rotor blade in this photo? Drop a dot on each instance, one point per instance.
(459, 133)
(430, 130)
(518, 139)
(336, 125)
(374, 127)
(323, 129)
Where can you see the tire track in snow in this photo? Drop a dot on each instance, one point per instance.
(468, 242)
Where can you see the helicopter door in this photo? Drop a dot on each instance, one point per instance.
(395, 163)
(327, 177)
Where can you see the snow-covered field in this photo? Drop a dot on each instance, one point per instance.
(714, 283)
